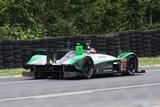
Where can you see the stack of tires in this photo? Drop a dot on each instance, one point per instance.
(110, 45)
(94, 41)
(117, 44)
(78, 39)
(146, 35)
(17, 50)
(43, 43)
(87, 38)
(154, 43)
(8, 55)
(82, 39)
(101, 42)
(158, 35)
(35, 44)
(1, 56)
(60, 46)
(136, 42)
(52, 43)
(125, 41)
(26, 51)
(68, 42)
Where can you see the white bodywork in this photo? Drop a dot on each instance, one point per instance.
(97, 58)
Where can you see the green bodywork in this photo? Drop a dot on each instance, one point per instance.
(80, 55)
(34, 58)
(121, 56)
(125, 54)
(76, 59)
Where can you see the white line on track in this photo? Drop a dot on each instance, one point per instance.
(17, 82)
(153, 71)
(79, 92)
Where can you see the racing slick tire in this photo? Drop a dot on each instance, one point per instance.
(39, 75)
(35, 75)
(132, 65)
(87, 67)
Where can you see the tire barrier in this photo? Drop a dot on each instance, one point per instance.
(15, 53)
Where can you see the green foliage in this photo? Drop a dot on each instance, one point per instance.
(135, 12)
(23, 19)
(12, 32)
(150, 27)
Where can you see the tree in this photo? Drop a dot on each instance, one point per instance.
(135, 12)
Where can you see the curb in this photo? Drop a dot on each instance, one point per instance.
(11, 76)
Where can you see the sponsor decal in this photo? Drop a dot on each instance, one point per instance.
(101, 56)
(108, 68)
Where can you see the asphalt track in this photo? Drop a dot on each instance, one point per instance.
(141, 90)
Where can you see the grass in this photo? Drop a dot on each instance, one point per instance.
(10, 72)
(142, 62)
(149, 61)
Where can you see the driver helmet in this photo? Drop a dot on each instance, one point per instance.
(92, 50)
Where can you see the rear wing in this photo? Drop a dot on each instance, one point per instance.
(52, 54)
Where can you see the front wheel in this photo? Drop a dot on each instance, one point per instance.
(87, 67)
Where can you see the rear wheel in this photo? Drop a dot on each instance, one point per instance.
(87, 67)
(39, 75)
(35, 75)
(132, 65)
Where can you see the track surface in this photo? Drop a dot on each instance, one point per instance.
(141, 90)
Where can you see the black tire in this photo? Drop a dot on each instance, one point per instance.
(1, 66)
(132, 65)
(38, 75)
(121, 34)
(1, 62)
(18, 65)
(35, 75)
(43, 41)
(35, 41)
(6, 42)
(18, 51)
(87, 67)
(44, 46)
(52, 40)
(15, 42)
(7, 47)
(8, 59)
(8, 53)
(125, 38)
(18, 60)
(35, 46)
(25, 42)
(15, 47)
(1, 57)
(9, 65)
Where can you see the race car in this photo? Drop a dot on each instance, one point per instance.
(80, 61)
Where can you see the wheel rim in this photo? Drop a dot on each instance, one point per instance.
(87, 67)
(132, 66)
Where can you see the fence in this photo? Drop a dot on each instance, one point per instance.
(15, 53)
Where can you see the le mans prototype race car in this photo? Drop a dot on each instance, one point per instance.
(80, 62)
